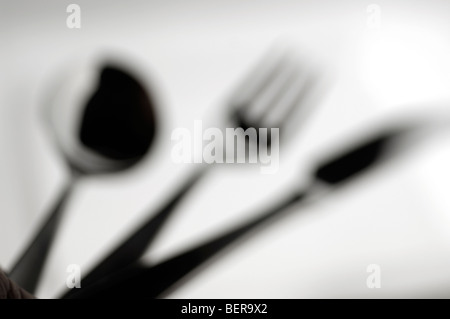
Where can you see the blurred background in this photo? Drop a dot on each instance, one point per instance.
(380, 60)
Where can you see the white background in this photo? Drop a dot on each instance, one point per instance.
(191, 54)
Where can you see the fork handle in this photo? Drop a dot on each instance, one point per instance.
(130, 250)
(142, 282)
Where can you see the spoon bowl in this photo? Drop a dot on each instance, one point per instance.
(102, 121)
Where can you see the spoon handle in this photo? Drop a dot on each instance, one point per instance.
(28, 268)
(140, 282)
(136, 244)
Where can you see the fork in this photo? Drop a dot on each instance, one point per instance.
(267, 98)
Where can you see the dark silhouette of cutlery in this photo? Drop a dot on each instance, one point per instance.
(137, 281)
(267, 100)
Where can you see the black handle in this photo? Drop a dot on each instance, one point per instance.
(27, 270)
(139, 282)
(136, 244)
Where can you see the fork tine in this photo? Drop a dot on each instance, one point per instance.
(256, 83)
(276, 96)
(259, 103)
(302, 94)
(288, 99)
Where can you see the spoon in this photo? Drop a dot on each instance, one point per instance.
(107, 127)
